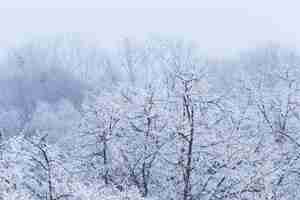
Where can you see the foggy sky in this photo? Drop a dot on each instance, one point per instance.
(219, 27)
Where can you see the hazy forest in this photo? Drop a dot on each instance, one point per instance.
(152, 119)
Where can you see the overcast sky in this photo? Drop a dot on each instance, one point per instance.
(219, 27)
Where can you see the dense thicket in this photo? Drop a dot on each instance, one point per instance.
(152, 119)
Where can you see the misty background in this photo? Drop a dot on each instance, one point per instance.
(220, 28)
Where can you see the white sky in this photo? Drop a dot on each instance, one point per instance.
(219, 27)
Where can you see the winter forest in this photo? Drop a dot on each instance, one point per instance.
(152, 119)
